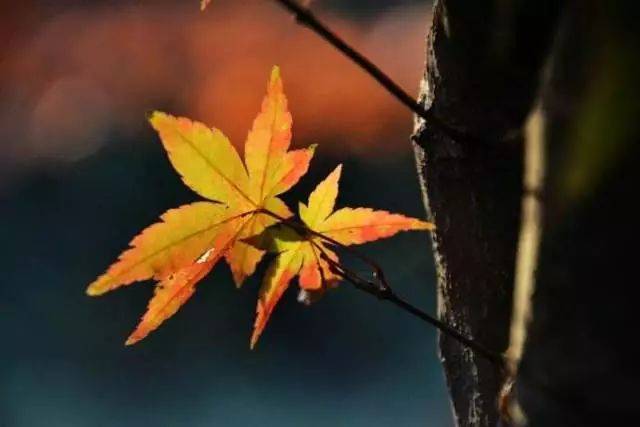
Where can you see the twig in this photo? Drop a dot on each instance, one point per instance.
(493, 357)
(380, 288)
(306, 18)
(385, 293)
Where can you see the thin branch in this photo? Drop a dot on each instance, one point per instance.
(306, 18)
(385, 293)
(380, 287)
(495, 358)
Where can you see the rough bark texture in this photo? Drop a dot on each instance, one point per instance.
(484, 59)
(579, 366)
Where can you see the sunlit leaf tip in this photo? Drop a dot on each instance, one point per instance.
(204, 4)
(275, 81)
(171, 294)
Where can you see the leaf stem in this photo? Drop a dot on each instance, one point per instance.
(302, 228)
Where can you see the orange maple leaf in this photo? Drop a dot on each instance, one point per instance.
(308, 256)
(182, 249)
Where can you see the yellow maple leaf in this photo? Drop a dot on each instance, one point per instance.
(172, 251)
(308, 255)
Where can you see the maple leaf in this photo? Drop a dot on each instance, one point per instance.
(307, 254)
(171, 293)
(182, 248)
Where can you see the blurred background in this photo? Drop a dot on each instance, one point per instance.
(81, 172)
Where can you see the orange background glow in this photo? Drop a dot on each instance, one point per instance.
(73, 79)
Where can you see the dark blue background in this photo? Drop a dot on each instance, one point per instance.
(349, 360)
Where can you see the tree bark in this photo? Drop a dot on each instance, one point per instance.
(484, 60)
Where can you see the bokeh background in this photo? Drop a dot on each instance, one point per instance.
(81, 172)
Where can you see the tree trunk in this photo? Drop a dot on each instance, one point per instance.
(484, 60)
